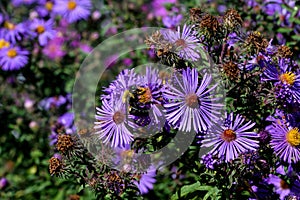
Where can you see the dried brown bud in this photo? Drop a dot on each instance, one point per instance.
(55, 166)
(231, 70)
(210, 24)
(284, 52)
(196, 14)
(64, 143)
(255, 42)
(114, 182)
(232, 20)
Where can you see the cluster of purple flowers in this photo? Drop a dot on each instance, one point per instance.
(40, 28)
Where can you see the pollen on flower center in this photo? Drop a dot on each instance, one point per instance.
(49, 6)
(283, 184)
(288, 78)
(293, 137)
(181, 43)
(3, 44)
(119, 117)
(145, 95)
(9, 25)
(12, 53)
(192, 100)
(40, 29)
(72, 5)
(228, 135)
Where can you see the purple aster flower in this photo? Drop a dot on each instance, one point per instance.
(54, 49)
(272, 6)
(121, 86)
(113, 123)
(172, 21)
(285, 141)
(146, 180)
(53, 138)
(13, 58)
(159, 9)
(13, 32)
(285, 80)
(209, 161)
(43, 30)
(45, 7)
(190, 105)
(53, 102)
(22, 2)
(66, 119)
(73, 10)
(230, 141)
(186, 42)
(281, 186)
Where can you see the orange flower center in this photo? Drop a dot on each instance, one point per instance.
(72, 5)
(49, 5)
(288, 78)
(12, 53)
(40, 29)
(9, 25)
(293, 137)
(192, 100)
(3, 44)
(228, 135)
(118, 117)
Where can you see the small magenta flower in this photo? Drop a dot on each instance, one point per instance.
(54, 49)
(231, 139)
(3, 183)
(43, 30)
(13, 58)
(73, 10)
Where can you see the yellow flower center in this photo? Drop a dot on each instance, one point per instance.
(40, 29)
(3, 44)
(228, 135)
(293, 137)
(288, 78)
(12, 53)
(9, 25)
(49, 5)
(72, 5)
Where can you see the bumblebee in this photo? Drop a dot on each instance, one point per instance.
(139, 101)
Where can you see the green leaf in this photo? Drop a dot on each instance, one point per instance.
(296, 37)
(186, 190)
(284, 30)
